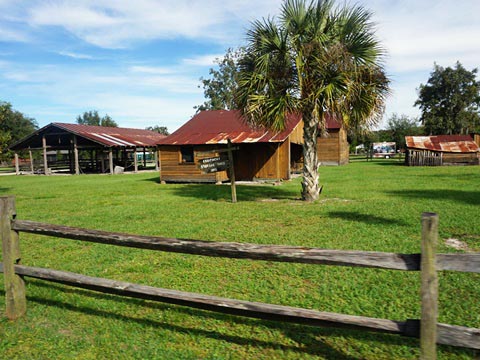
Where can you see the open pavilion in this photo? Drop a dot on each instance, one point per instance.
(79, 149)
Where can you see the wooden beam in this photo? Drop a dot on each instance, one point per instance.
(45, 162)
(75, 154)
(17, 165)
(429, 288)
(15, 299)
(159, 152)
(156, 152)
(231, 170)
(289, 166)
(447, 334)
(296, 254)
(135, 161)
(31, 161)
(213, 303)
(110, 160)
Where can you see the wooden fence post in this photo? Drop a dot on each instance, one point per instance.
(429, 290)
(15, 299)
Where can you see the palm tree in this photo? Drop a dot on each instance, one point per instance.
(314, 60)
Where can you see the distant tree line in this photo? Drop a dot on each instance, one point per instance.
(13, 127)
(93, 118)
(449, 103)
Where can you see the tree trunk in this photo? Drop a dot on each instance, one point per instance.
(310, 187)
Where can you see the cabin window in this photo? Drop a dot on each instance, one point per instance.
(187, 154)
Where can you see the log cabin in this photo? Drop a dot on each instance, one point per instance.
(260, 154)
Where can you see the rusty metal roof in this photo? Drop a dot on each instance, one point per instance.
(444, 143)
(58, 135)
(216, 126)
(114, 136)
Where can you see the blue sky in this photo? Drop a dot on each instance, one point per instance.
(140, 61)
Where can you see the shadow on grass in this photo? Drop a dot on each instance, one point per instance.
(309, 339)
(155, 179)
(393, 162)
(466, 197)
(215, 192)
(223, 192)
(4, 190)
(365, 218)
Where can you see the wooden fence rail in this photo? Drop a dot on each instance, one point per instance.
(427, 328)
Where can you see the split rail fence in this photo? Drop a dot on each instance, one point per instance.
(428, 263)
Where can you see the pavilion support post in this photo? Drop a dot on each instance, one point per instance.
(429, 287)
(31, 161)
(45, 162)
(110, 160)
(92, 160)
(75, 154)
(15, 298)
(135, 162)
(17, 165)
(156, 158)
(102, 162)
(144, 158)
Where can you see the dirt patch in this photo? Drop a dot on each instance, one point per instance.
(456, 244)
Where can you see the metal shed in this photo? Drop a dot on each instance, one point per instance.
(441, 150)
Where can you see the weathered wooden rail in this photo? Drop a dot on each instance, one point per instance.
(428, 263)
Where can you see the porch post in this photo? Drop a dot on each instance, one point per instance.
(135, 162)
(45, 162)
(110, 160)
(17, 166)
(75, 154)
(31, 161)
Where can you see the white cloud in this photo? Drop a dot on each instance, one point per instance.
(13, 35)
(203, 60)
(416, 34)
(76, 55)
(157, 70)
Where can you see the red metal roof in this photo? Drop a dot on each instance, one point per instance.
(113, 136)
(216, 126)
(444, 143)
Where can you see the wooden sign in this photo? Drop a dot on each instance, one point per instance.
(218, 163)
(213, 164)
(210, 165)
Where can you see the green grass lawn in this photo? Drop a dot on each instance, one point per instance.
(364, 206)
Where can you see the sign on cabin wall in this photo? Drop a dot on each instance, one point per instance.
(213, 164)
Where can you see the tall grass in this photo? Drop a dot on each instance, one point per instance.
(364, 206)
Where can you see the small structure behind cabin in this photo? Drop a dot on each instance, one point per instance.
(441, 150)
(333, 148)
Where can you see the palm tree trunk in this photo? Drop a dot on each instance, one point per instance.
(310, 187)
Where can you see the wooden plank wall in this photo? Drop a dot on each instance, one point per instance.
(252, 161)
(171, 168)
(328, 148)
(333, 149)
(460, 158)
(296, 137)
